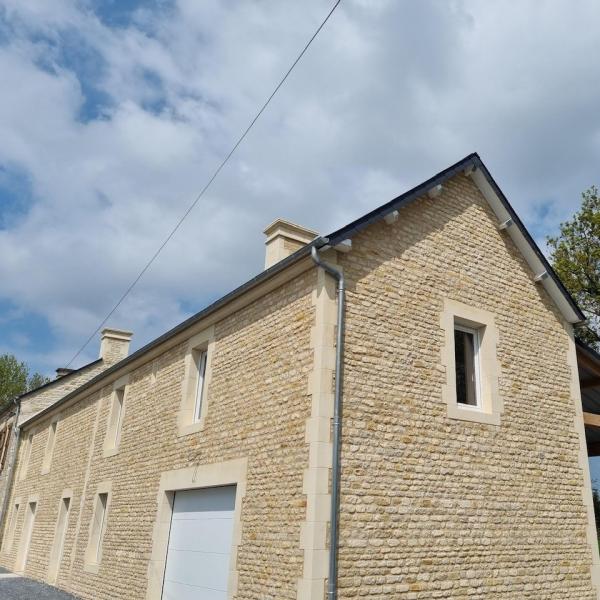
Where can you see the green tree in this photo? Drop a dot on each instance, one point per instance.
(575, 256)
(16, 379)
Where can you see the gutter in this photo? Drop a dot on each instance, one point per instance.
(110, 374)
(13, 460)
(337, 426)
(346, 232)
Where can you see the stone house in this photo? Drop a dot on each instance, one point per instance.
(209, 464)
(114, 346)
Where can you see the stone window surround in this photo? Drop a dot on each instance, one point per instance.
(12, 524)
(186, 423)
(231, 472)
(112, 439)
(491, 406)
(54, 554)
(92, 563)
(23, 551)
(49, 451)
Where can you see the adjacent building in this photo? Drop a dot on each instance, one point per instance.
(200, 466)
(114, 346)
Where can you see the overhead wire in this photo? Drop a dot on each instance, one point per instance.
(207, 185)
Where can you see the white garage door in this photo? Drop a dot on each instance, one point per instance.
(200, 544)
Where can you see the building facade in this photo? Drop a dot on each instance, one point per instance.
(114, 346)
(200, 466)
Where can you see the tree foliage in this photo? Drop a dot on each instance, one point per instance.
(16, 379)
(575, 255)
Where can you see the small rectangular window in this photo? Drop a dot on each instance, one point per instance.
(26, 456)
(466, 354)
(200, 357)
(26, 535)
(115, 421)
(12, 527)
(119, 399)
(59, 539)
(98, 527)
(49, 447)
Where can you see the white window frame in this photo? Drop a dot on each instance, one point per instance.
(476, 333)
(119, 405)
(195, 390)
(201, 360)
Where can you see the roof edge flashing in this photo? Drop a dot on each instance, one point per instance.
(526, 245)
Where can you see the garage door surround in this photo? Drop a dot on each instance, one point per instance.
(201, 476)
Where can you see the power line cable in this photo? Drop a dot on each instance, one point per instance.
(207, 185)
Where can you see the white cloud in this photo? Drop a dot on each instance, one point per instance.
(390, 93)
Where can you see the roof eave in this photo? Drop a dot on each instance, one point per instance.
(480, 175)
(259, 279)
(488, 187)
(526, 244)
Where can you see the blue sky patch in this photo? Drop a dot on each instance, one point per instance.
(123, 13)
(21, 329)
(155, 101)
(89, 67)
(15, 196)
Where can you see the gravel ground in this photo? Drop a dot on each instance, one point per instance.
(20, 588)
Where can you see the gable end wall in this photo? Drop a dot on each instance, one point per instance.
(434, 507)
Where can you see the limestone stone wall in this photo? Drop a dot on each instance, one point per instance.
(434, 507)
(37, 401)
(258, 407)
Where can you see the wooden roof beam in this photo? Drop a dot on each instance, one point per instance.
(591, 420)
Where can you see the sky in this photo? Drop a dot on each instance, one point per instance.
(114, 113)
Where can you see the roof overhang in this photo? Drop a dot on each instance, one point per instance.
(508, 220)
(543, 272)
(299, 261)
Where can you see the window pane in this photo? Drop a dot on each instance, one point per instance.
(118, 418)
(201, 366)
(464, 354)
(99, 523)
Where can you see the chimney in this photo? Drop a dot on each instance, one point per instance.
(284, 238)
(62, 371)
(114, 345)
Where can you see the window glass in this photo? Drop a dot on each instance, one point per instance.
(465, 354)
(119, 398)
(98, 527)
(26, 456)
(201, 367)
(50, 445)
